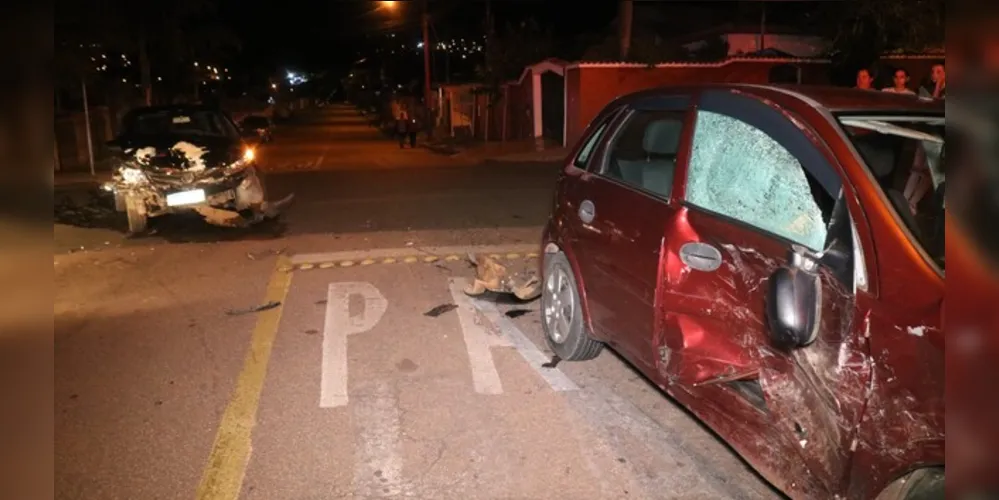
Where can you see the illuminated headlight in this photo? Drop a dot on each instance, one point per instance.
(132, 175)
(249, 155)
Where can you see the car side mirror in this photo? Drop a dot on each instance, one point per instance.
(794, 300)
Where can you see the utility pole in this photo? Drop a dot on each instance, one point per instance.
(426, 66)
(626, 13)
(86, 118)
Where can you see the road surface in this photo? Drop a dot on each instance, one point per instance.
(366, 372)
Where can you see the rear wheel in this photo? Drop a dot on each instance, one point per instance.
(138, 221)
(562, 313)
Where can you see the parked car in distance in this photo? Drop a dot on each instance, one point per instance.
(260, 125)
(772, 258)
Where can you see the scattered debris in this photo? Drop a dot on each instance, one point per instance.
(264, 254)
(553, 363)
(260, 308)
(491, 276)
(516, 313)
(441, 309)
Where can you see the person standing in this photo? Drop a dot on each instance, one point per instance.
(402, 128)
(900, 83)
(412, 126)
(864, 79)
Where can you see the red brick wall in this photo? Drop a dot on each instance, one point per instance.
(590, 89)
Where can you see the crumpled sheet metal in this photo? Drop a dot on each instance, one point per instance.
(491, 276)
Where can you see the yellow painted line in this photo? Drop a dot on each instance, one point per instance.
(347, 263)
(430, 258)
(367, 262)
(532, 255)
(389, 260)
(512, 256)
(326, 265)
(495, 256)
(306, 267)
(452, 258)
(410, 260)
(222, 478)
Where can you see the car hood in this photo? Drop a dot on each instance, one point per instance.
(181, 152)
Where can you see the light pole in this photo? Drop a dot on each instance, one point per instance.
(425, 15)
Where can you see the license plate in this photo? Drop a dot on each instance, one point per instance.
(186, 197)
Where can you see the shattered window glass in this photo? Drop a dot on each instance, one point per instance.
(739, 171)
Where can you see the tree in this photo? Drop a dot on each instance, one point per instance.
(515, 48)
(866, 28)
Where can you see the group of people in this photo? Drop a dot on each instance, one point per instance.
(406, 127)
(934, 87)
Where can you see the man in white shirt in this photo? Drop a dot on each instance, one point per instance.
(901, 82)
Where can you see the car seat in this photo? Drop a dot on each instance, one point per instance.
(655, 172)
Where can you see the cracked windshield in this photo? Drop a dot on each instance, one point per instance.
(452, 249)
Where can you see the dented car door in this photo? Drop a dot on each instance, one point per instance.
(757, 185)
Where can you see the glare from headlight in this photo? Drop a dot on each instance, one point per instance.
(132, 175)
(248, 155)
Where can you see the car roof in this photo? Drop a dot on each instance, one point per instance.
(834, 99)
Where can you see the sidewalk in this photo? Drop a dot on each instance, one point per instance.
(527, 150)
(70, 180)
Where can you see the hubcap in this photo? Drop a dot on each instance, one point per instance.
(559, 304)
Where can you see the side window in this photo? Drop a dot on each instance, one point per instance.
(644, 152)
(591, 144)
(740, 172)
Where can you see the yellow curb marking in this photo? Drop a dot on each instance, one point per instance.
(430, 258)
(306, 266)
(409, 260)
(367, 262)
(222, 478)
(512, 256)
(452, 258)
(392, 260)
(326, 265)
(347, 263)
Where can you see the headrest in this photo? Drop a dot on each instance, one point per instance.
(662, 137)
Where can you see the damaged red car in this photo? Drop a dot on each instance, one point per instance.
(772, 257)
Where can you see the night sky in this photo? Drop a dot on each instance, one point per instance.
(315, 35)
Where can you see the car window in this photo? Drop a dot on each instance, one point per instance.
(644, 151)
(739, 171)
(179, 122)
(583, 158)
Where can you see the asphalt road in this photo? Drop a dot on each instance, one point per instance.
(370, 375)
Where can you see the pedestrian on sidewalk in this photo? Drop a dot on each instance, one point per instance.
(402, 128)
(412, 128)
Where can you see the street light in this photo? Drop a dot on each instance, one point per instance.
(389, 4)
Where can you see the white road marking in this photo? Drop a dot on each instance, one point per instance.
(338, 325)
(534, 357)
(485, 378)
(378, 465)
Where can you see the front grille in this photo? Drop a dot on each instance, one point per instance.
(212, 180)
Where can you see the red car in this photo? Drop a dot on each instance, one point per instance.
(772, 257)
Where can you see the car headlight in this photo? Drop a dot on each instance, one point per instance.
(131, 175)
(249, 155)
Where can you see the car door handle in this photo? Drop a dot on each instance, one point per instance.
(587, 211)
(700, 256)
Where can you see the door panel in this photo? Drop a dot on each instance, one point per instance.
(755, 185)
(624, 239)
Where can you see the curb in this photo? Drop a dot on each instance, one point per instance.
(431, 255)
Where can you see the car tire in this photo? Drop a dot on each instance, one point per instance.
(562, 313)
(135, 210)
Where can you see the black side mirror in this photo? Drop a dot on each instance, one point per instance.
(794, 300)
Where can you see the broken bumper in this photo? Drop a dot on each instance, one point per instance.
(491, 276)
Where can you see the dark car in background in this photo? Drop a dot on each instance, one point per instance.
(772, 258)
(259, 125)
(185, 158)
